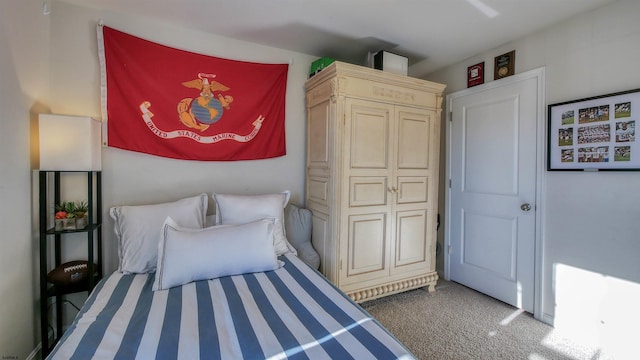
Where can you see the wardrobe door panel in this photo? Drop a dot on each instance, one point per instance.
(369, 137)
(414, 136)
(367, 248)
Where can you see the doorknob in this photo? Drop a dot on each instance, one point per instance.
(525, 207)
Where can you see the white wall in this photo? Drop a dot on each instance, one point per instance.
(135, 178)
(591, 220)
(23, 85)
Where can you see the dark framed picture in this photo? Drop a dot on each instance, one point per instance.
(596, 133)
(475, 74)
(504, 65)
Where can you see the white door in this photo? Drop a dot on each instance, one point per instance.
(493, 166)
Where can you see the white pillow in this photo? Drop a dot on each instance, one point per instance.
(186, 255)
(240, 209)
(137, 229)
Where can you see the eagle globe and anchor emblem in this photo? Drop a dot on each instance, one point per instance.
(200, 113)
(206, 109)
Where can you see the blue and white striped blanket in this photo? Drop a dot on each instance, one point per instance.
(292, 312)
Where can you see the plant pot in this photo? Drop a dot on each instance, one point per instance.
(81, 222)
(68, 224)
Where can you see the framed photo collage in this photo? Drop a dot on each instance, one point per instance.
(597, 133)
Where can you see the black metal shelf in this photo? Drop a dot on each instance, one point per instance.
(53, 238)
(88, 228)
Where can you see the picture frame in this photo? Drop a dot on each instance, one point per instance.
(595, 133)
(475, 74)
(504, 65)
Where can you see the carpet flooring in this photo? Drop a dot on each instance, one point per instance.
(459, 323)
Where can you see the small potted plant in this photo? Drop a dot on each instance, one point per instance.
(71, 215)
(80, 214)
(59, 218)
(65, 216)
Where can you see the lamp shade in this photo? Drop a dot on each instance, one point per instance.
(69, 143)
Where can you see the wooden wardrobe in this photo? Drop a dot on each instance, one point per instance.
(373, 141)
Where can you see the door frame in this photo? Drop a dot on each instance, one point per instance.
(539, 75)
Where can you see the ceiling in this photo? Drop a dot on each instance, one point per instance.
(431, 33)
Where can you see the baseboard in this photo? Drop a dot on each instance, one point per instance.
(35, 352)
(547, 319)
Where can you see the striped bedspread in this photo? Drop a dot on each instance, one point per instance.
(292, 312)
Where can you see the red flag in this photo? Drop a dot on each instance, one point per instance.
(179, 104)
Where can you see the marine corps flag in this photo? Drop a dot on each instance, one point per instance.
(178, 104)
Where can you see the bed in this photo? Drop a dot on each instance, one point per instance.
(210, 312)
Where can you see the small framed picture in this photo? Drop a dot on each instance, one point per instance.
(504, 65)
(475, 74)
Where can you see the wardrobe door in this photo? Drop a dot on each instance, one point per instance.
(367, 169)
(413, 201)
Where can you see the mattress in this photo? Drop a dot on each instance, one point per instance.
(292, 312)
